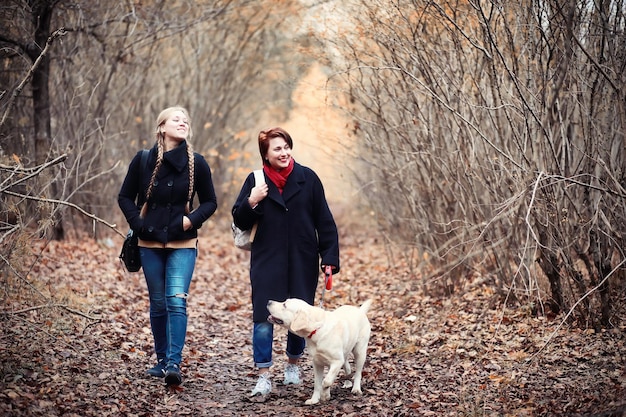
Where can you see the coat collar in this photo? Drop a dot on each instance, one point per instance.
(177, 157)
(294, 184)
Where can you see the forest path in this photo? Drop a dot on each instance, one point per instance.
(461, 355)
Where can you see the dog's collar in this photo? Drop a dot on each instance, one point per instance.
(312, 333)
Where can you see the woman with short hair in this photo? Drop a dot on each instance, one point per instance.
(296, 235)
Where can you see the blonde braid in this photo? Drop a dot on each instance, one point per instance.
(159, 162)
(191, 176)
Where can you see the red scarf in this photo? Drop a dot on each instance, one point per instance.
(279, 178)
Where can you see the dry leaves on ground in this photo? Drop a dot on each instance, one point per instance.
(86, 352)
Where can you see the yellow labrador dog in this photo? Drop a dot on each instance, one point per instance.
(330, 337)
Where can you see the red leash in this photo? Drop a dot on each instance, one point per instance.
(328, 276)
(328, 282)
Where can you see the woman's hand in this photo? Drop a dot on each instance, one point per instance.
(257, 194)
(187, 223)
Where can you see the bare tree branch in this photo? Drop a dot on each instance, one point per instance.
(66, 203)
(39, 307)
(31, 172)
(56, 34)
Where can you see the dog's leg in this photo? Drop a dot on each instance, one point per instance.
(359, 352)
(329, 379)
(346, 367)
(318, 371)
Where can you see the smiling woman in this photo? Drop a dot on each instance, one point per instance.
(295, 228)
(175, 128)
(157, 202)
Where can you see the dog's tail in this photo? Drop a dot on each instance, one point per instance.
(366, 306)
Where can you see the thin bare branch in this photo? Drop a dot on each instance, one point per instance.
(66, 203)
(18, 90)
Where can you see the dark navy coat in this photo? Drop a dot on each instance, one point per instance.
(294, 231)
(164, 220)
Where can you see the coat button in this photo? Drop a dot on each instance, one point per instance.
(170, 183)
(165, 229)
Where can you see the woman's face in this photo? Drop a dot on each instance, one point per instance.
(278, 153)
(176, 127)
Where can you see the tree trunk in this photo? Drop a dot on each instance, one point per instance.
(41, 15)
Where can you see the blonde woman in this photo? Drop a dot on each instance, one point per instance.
(157, 203)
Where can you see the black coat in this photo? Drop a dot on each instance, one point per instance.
(164, 219)
(294, 230)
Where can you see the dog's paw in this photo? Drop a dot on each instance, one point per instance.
(347, 384)
(325, 395)
(357, 390)
(312, 401)
(327, 383)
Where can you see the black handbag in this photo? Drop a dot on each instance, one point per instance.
(129, 256)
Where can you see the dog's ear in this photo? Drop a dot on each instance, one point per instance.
(306, 321)
(300, 325)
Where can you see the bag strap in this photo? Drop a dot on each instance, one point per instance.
(144, 160)
(259, 178)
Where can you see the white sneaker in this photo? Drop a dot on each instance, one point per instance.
(263, 385)
(292, 374)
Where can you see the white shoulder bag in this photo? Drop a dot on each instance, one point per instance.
(244, 238)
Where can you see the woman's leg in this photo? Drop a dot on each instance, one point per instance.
(295, 350)
(153, 265)
(178, 273)
(295, 347)
(262, 338)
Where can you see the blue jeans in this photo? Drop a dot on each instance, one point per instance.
(262, 338)
(168, 275)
